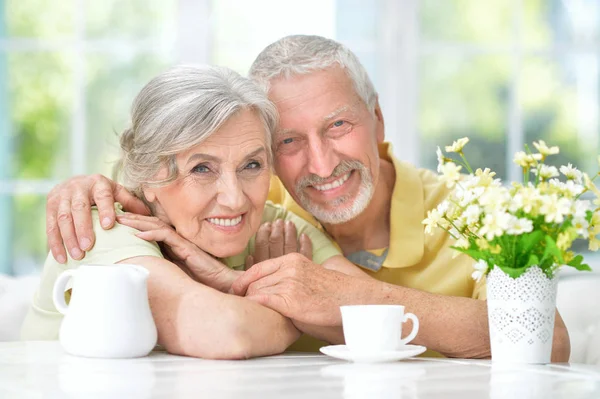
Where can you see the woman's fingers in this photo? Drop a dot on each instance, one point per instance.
(290, 238)
(305, 246)
(141, 223)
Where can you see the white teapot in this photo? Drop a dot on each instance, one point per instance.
(108, 315)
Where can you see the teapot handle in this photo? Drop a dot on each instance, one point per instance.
(58, 293)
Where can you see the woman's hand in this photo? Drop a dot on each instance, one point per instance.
(196, 263)
(277, 239)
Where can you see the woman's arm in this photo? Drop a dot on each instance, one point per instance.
(195, 320)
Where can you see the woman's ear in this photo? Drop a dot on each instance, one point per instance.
(149, 194)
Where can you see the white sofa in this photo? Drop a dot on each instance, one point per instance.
(15, 295)
(578, 302)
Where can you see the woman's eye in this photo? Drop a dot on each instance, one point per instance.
(287, 141)
(253, 165)
(338, 123)
(200, 169)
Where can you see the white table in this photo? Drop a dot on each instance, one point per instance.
(42, 369)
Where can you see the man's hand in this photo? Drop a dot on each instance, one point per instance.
(195, 262)
(68, 213)
(277, 239)
(299, 289)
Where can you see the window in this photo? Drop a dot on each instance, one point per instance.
(502, 72)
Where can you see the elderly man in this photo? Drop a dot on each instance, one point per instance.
(335, 170)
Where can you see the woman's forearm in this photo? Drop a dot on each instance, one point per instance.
(196, 320)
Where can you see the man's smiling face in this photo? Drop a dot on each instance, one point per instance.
(326, 149)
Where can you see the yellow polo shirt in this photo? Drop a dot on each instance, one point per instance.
(414, 260)
(119, 243)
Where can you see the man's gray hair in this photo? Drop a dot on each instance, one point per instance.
(302, 54)
(179, 109)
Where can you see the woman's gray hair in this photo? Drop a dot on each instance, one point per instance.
(179, 109)
(302, 54)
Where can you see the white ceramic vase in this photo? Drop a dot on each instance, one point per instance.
(521, 315)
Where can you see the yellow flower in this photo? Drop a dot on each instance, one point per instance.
(482, 244)
(543, 148)
(496, 249)
(458, 145)
(564, 241)
(568, 256)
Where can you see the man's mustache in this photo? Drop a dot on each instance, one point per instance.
(343, 168)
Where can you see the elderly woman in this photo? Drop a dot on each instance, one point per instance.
(198, 153)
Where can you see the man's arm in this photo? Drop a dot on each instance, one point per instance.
(196, 320)
(68, 213)
(311, 296)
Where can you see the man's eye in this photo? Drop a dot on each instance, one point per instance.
(200, 169)
(338, 123)
(287, 141)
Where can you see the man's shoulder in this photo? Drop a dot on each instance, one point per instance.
(434, 190)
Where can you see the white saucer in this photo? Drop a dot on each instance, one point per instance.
(342, 352)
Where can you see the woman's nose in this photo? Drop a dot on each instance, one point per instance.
(231, 194)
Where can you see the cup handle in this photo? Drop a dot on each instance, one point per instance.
(415, 328)
(58, 292)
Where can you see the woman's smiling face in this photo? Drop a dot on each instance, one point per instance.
(218, 198)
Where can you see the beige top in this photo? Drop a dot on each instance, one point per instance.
(119, 243)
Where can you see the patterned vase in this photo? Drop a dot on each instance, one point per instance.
(521, 315)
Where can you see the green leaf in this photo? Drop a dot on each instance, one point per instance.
(473, 253)
(551, 251)
(529, 241)
(533, 260)
(512, 272)
(576, 262)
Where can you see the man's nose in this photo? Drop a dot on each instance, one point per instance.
(322, 160)
(230, 192)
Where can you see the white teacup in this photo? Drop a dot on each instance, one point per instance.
(376, 328)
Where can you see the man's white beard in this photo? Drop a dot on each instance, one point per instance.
(344, 213)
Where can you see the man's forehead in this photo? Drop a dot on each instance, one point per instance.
(348, 108)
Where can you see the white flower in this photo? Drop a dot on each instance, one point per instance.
(472, 214)
(581, 225)
(580, 207)
(450, 174)
(571, 188)
(486, 177)
(494, 225)
(526, 160)
(494, 199)
(458, 145)
(434, 217)
(555, 208)
(543, 148)
(440, 159)
(546, 172)
(571, 173)
(481, 268)
(462, 243)
(519, 226)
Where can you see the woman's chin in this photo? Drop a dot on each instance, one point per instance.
(225, 250)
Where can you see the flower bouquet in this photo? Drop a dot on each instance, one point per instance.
(519, 235)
